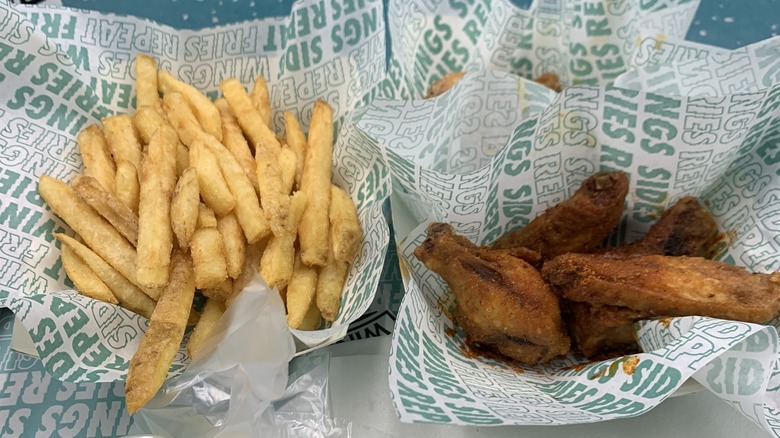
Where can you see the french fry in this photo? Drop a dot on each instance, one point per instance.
(86, 281)
(204, 110)
(276, 265)
(97, 233)
(234, 244)
(146, 94)
(128, 295)
(122, 139)
(247, 206)
(146, 121)
(127, 184)
(313, 231)
(235, 142)
(151, 362)
(330, 286)
(185, 206)
(208, 255)
(251, 262)
(206, 218)
(212, 311)
(273, 198)
(222, 292)
(296, 140)
(181, 117)
(346, 233)
(96, 157)
(300, 292)
(312, 319)
(261, 100)
(213, 187)
(155, 236)
(287, 164)
(249, 118)
(107, 205)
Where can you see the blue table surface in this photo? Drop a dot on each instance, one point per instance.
(24, 385)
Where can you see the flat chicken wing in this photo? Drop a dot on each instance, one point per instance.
(503, 304)
(684, 229)
(578, 224)
(666, 286)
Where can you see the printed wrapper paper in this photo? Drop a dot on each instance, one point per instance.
(64, 69)
(484, 158)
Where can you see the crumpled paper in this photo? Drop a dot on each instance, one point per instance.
(721, 148)
(63, 69)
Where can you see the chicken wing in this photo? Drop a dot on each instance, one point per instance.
(658, 285)
(578, 224)
(684, 229)
(503, 304)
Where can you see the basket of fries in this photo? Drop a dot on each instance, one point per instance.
(202, 183)
(579, 252)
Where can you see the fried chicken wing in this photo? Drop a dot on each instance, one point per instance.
(659, 285)
(684, 229)
(503, 304)
(578, 224)
(444, 84)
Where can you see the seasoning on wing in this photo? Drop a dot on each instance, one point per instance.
(578, 224)
(659, 285)
(503, 304)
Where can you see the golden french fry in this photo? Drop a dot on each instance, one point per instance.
(287, 164)
(96, 157)
(222, 292)
(212, 311)
(300, 292)
(128, 295)
(97, 233)
(146, 94)
(208, 255)
(155, 236)
(122, 139)
(251, 262)
(330, 286)
(182, 159)
(107, 205)
(312, 319)
(85, 280)
(185, 206)
(273, 198)
(261, 100)
(250, 120)
(146, 120)
(346, 233)
(234, 243)
(296, 140)
(127, 186)
(247, 206)
(206, 217)
(276, 265)
(151, 362)
(313, 231)
(205, 111)
(235, 142)
(182, 119)
(213, 187)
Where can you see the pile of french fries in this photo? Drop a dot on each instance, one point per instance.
(191, 195)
